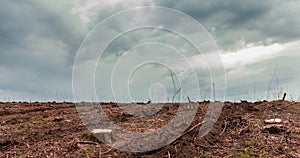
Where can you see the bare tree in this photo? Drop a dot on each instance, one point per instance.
(175, 88)
(275, 88)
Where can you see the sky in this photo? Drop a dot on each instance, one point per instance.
(258, 43)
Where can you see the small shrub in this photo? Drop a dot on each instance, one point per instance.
(280, 147)
(42, 121)
(84, 152)
(85, 135)
(45, 123)
(21, 126)
(262, 121)
(246, 154)
(254, 143)
(208, 155)
(262, 156)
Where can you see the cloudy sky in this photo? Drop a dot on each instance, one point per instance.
(258, 41)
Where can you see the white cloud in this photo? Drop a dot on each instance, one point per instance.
(250, 55)
(246, 56)
(235, 62)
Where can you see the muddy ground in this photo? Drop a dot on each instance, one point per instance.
(55, 130)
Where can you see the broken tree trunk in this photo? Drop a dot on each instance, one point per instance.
(189, 99)
(284, 95)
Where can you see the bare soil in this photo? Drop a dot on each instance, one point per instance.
(55, 130)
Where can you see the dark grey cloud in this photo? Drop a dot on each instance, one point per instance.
(24, 21)
(276, 19)
(38, 43)
(39, 39)
(233, 24)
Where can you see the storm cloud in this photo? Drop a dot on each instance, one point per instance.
(39, 41)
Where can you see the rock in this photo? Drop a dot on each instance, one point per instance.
(68, 121)
(273, 121)
(95, 131)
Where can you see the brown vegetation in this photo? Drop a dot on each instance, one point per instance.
(55, 130)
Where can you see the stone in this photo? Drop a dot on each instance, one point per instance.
(273, 121)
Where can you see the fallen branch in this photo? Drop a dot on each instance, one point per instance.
(191, 129)
(88, 142)
(106, 151)
(224, 128)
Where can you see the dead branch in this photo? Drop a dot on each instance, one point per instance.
(224, 128)
(88, 142)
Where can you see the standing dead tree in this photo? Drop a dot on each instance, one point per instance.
(214, 91)
(284, 95)
(175, 88)
(274, 86)
(176, 91)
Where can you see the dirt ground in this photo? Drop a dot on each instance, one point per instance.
(55, 130)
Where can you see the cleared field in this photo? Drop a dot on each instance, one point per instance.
(55, 130)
